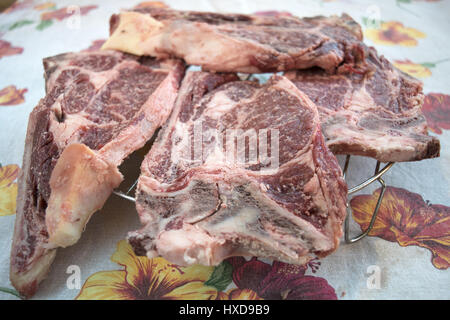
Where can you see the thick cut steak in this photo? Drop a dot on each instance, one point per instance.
(376, 114)
(237, 42)
(239, 169)
(99, 107)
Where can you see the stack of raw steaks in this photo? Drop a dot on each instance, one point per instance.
(238, 167)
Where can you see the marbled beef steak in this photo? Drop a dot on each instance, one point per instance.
(99, 107)
(376, 113)
(237, 42)
(367, 106)
(203, 195)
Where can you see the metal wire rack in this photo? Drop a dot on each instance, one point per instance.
(377, 176)
(126, 195)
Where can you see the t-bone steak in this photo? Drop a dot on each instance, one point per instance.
(99, 108)
(240, 168)
(375, 114)
(237, 42)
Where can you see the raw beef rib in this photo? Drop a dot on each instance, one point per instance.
(279, 194)
(237, 42)
(99, 107)
(376, 114)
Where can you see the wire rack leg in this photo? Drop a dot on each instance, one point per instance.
(378, 178)
(372, 221)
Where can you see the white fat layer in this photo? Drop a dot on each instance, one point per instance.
(238, 221)
(361, 100)
(219, 105)
(136, 33)
(67, 131)
(191, 245)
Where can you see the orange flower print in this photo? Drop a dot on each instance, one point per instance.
(394, 33)
(6, 49)
(45, 6)
(64, 13)
(415, 70)
(11, 96)
(436, 109)
(147, 279)
(8, 189)
(404, 217)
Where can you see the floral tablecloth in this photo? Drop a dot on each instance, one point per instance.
(406, 256)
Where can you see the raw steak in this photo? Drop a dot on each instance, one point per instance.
(375, 114)
(276, 191)
(99, 107)
(237, 42)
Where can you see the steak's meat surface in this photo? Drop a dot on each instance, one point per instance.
(99, 107)
(237, 42)
(276, 191)
(375, 114)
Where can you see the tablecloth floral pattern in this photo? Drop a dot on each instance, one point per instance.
(407, 254)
